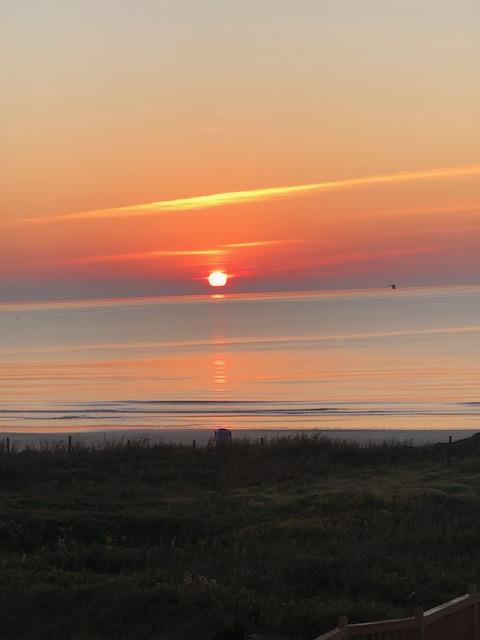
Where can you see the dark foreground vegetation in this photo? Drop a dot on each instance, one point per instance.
(165, 542)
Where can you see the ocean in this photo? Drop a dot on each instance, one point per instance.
(334, 360)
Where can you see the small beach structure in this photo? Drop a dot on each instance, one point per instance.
(222, 436)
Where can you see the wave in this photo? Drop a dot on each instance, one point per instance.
(236, 408)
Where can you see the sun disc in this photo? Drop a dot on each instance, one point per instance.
(217, 279)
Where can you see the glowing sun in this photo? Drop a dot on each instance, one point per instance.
(217, 279)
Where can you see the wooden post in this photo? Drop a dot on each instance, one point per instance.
(194, 444)
(69, 444)
(262, 441)
(472, 590)
(418, 615)
(8, 446)
(343, 626)
(449, 439)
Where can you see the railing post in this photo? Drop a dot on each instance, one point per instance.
(418, 615)
(472, 591)
(343, 625)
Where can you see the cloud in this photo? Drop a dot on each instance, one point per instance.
(316, 264)
(261, 243)
(471, 209)
(149, 255)
(256, 195)
(127, 257)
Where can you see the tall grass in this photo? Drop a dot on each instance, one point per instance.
(156, 541)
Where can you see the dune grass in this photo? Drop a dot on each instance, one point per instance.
(132, 541)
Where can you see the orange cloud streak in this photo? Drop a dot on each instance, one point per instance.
(127, 257)
(146, 255)
(254, 195)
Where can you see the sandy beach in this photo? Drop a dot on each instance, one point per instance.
(203, 436)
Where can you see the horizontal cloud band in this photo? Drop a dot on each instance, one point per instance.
(254, 195)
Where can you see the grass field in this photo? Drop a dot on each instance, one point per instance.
(140, 542)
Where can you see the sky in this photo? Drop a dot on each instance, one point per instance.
(294, 144)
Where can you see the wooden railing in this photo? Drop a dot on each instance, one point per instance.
(458, 619)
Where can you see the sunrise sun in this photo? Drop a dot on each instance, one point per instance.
(217, 279)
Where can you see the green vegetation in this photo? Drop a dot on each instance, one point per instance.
(141, 542)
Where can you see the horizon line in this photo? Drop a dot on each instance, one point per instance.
(280, 293)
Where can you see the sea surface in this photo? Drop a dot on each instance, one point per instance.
(363, 359)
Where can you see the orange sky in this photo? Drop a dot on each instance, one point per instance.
(130, 114)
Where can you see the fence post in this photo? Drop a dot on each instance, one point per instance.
(8, 446)
(418, 615)
(472, 591)
(69, 444)
(343, 625)
(194, 444)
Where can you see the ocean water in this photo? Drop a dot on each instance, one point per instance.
(370, 359)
